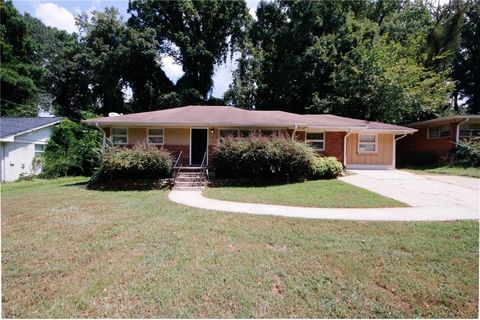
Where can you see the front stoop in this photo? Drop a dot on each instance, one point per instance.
(190, 178)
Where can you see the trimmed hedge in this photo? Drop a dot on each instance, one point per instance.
(270, 158)
(468, 154)
(139, 162)
(325, 168)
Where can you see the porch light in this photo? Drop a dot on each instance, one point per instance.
(212, 130)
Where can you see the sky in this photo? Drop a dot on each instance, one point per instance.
(61, 15)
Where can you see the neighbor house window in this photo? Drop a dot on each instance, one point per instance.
(439, 132)
(155, 136)
(469, 131)
(119, 136)
(367, 143)
(39, 150)
(316, 140)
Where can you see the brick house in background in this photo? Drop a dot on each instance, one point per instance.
(192, 132)
(436, 139)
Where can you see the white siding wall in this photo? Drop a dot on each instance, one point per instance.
(17, 156)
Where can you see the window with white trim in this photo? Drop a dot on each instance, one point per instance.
(224, 133)
(268, 133)
(119, 136)
(316, 140)
(367, 143)
(439, 132)
(234, 133)
(469, 131)
(155, 136)
(39, 150)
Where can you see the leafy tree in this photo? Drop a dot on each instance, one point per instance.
(243, 89)
(67, 76)
(382, 80)
(363, 59)
(73, 149)
(118, 57)
(203, 31)
(466, 68)
(19, 76)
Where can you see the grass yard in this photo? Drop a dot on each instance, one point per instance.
(447, 170)
(72, 252)
(321, 193)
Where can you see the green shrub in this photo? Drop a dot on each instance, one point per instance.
(73, 149)
(468, 154)
(264, 158)
(139, 162)
(325, 168)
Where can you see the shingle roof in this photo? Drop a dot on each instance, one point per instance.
(16, 125)
(234, 117)
(454, 118)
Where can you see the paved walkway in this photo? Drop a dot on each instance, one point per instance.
(431, 200)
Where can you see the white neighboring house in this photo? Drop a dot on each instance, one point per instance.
(21, 139)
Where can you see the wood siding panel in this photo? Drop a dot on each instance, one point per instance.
(384, 156)
(137, 135)
(177, 136)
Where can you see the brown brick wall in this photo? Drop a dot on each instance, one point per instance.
(419, 142)
(334, 145)
(175, 150)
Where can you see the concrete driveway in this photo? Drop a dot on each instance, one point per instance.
(436, 198)
(462, 193)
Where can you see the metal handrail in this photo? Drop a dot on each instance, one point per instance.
(203, 166)
(175, 167)
(178, 159)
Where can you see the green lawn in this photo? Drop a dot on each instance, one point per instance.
(447, 170)
(72, 252)
(321, 193)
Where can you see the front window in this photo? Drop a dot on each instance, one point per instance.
(155, 136)
(316, 140)
(39, 150)
(269, 133)
(227, 133)
(367, 143)
(469, 131)
(439, 132)
(119, 135)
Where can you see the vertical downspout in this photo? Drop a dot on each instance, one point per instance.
(457, 138)
(345, 148)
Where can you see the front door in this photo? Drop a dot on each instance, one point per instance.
(198, 146)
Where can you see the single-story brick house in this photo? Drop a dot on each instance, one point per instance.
(196, 130)
(439, 136)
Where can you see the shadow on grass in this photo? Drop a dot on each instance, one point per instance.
(80, 183)
(248, 183)
(131, 185)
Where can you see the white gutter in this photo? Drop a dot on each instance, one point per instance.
(457, 138)
(345, 148)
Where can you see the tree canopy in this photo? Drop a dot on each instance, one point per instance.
(389, 60)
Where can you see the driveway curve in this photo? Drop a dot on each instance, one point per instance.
(430, 200)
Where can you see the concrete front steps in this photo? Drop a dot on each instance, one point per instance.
(190, 178)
